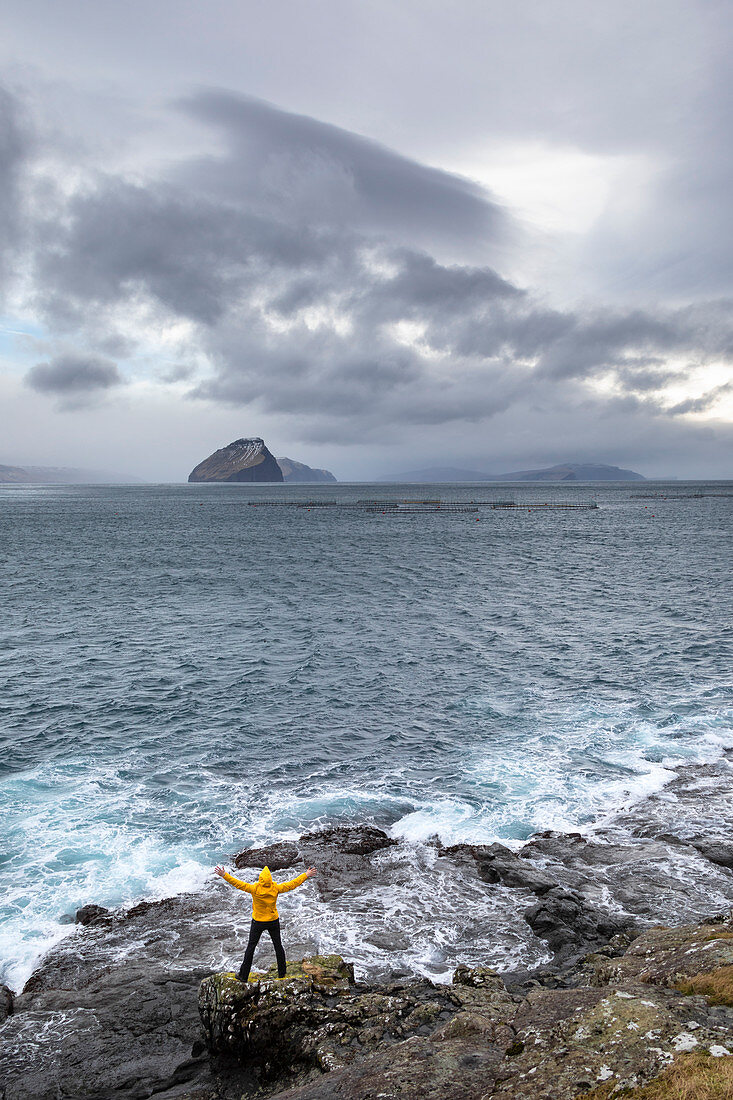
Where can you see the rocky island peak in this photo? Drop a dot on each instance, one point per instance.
(249, 460)
(244, 460)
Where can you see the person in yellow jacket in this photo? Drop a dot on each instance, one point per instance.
(265, 917)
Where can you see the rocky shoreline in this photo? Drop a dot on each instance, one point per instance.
(113, 1010)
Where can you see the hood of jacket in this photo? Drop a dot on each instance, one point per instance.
(265, 879)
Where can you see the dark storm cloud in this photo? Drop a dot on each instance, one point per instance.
(480, 342)
(74, 377)
(191, 256)
(296, 258)
(315, 173)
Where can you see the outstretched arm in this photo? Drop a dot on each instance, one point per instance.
(248, 887)
(284, 887)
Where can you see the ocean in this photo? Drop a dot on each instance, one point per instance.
(185, 675)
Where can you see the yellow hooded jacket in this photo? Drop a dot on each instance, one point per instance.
(264, 892)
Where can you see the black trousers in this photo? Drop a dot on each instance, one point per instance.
(256, 929)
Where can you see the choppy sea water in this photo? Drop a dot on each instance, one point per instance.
(184, 675)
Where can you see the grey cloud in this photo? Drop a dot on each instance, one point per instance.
(15, 144)
(179, 373)
(423, 284)
(679, 241)
(115, 344)
(702, 403)
(647, 377)
(311, 172)
(192, 257)
(74, 377)
(228, 270)
(295, 297)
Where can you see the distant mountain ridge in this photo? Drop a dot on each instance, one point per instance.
(62, 475)
(298, 472)
(564, 472)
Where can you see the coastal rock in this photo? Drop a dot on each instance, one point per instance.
(128, 1032)
(275, 856)
(354, 840)
(638, 879)
(243, 460)
(468, 1040)
(565, 918)
(496, 863)
(717, 851)
(341, 855)
(459, 1067)
(7, 1000)
(570, 925)
(316, 1018)
(92, 914)
(671, 956)
(350, 840)
(298, 472)
(570, 1041)
(113, 1012)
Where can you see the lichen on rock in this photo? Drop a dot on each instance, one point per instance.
(319, 1035)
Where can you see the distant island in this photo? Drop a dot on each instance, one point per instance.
(569, 471)
(249, 460)
(62, 475)
(298, 471)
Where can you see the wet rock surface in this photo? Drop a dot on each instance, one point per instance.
(7, 1002)
(342, 855)
(570, 925)
(275, 856)
(564, 917)
(717, 851)
(472, 1039)
(112, 1010)
(92, 914)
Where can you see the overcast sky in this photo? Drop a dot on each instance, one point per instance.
(380, 235)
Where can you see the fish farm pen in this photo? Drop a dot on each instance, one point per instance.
(402, 507)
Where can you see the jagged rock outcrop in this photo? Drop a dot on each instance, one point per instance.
(111, 1011)
(717, 851)
(299, 472)
(318, 1021)
(569, 923)
(672, 957)
(7, 1001)
(319, 1036)
(245, 460)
